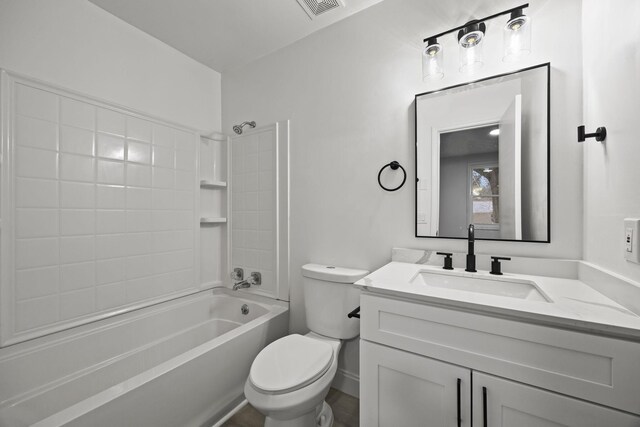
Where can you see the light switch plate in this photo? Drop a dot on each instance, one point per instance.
(632, 239)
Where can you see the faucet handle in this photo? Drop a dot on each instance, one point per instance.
(495, 264)
(255, 278)
(448, 261)
(237, 274)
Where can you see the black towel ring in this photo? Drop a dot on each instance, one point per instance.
(393, 165)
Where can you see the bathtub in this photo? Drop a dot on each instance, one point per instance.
(179, 363)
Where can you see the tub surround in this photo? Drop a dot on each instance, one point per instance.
(259, 206)
(574, 303)
(99, 210)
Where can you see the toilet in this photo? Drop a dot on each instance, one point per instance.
(290, 378)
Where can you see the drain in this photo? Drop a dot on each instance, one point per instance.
(244, 309)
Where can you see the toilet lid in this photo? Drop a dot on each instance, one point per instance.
(290, 363)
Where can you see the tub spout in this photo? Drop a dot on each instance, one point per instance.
(241, 284)
(254, 279)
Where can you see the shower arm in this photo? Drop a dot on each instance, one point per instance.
(238, 128)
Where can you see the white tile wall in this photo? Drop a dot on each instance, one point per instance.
(76, 141)
(37, 282)
(77, 276)
(77, 114)
(36, 133)
(254, 205)
(104, 210)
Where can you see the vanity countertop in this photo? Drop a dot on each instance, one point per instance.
(573, 304)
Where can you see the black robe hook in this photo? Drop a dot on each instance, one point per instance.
(600, 134)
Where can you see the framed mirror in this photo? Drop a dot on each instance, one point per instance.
(482, 158)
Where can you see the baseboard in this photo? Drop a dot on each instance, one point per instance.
(347, 382)
(234, 409)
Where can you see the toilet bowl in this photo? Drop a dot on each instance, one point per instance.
(290, 378)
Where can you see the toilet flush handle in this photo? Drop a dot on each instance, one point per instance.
(354, 313)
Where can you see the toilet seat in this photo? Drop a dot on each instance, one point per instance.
(290, 363)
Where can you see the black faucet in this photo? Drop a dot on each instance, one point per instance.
(471, 257)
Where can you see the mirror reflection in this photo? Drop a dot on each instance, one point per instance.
(482, 159)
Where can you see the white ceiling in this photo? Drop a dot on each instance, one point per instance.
(468, 141)
(224, 34)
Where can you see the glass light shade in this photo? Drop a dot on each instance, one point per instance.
(432, 62)
(517, 38)
(471, 58)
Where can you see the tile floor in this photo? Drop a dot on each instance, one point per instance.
(345, 412)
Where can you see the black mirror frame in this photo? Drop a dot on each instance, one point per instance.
(415, 111)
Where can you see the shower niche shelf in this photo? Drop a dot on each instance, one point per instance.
(212, 184)
(212, 220)
(214, 203)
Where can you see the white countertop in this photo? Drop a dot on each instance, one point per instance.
(574, 304)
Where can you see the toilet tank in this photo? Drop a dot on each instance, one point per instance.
(329, 295)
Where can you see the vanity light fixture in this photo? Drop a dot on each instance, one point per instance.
(432, 60)
(517, 42)
(517, 36)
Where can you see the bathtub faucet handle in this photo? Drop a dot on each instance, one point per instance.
(237, 274)
(255, 278)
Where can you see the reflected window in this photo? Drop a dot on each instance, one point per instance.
(485, 196)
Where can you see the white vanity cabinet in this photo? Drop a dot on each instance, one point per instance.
(511, 404)
(413, 354)
(402, 389)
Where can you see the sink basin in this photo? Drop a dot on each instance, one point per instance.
(505, 287)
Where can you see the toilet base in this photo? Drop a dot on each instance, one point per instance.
(321, 416)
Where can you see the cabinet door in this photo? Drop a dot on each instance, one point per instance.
(501, 403)
(399, 389)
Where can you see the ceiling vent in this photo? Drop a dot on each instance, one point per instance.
(315, 8)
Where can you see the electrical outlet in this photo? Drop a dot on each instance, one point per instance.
(631, 235)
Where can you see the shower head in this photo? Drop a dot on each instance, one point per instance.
(238, 128)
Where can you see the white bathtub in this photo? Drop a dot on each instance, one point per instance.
(180, 363)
